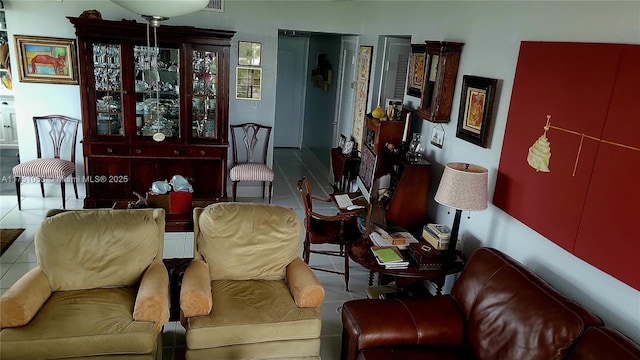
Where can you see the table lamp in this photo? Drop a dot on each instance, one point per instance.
(464, 188)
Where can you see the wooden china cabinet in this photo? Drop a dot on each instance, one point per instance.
(150, 113)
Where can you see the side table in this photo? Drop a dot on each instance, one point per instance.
(360, 252)
(345, 169)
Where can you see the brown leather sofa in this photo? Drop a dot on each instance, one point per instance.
(497, 309)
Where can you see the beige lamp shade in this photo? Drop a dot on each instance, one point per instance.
(463, 187)
(162, 8)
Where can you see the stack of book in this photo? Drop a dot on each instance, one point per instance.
(389, 257)
(437, 235)
(396, 236)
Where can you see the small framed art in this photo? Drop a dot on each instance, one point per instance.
(248, 83)
(476, 109)
(341, 141)
(249, 53)
(416, 70)
(46, 59)
(437, 136)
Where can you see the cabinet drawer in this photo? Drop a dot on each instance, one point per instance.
(154, 151)
(205, 152)
(109, 150)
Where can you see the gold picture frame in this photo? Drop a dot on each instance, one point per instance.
(249, 53)
(46, 60)
(476, 109)
(417, 61)
(248, 83)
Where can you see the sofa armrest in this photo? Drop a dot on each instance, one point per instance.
(304, 285)
(24, 299)
(195, 294)
(152, 301)
(433, 321)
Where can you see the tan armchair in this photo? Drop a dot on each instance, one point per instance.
(100, 289)
(247, 294)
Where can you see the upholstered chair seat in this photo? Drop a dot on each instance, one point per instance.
(57, 169)
(251, 172)
(247, 294)
(100, 289)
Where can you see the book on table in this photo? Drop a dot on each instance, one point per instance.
(432, 239)
(396, 236)
(440, 231)
(426, 256)
(389, 257)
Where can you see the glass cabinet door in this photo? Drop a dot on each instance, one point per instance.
(157, 89)
(205, 81)
(107, 71)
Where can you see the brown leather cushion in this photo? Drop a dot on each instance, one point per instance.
(435, 321)
(411, 353)
(605, 343)
(514, 314)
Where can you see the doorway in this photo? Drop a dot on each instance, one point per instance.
(310, 111)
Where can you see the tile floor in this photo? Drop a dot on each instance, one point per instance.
(289, 166)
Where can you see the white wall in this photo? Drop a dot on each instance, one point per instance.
(491, 31)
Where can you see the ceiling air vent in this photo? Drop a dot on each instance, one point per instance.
(215, 5)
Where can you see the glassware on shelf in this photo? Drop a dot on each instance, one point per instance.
(415, 147)
(204, 93)
(157, 86)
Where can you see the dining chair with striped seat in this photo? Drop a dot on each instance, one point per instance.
(59, 133)
(253, 167)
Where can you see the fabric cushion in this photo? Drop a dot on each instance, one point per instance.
(97, 248)
(304, 285)
(45, 168)
(305, 349)
(24, 298)
(81, 323)
(246, 312)
(251, 172)
(244, 241)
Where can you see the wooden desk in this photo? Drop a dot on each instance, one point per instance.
(360, 252)
(345, 169)
(173, 222)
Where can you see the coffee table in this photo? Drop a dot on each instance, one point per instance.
(360, 252)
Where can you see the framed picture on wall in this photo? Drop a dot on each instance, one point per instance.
(476, 109)
(46, 59)
(363, 69)
(415, 75)
(249, 53)
(248, 83)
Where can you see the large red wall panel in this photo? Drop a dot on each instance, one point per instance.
(579, 85)
(611, 216)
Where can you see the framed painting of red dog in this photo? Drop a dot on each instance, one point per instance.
(46, 59)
